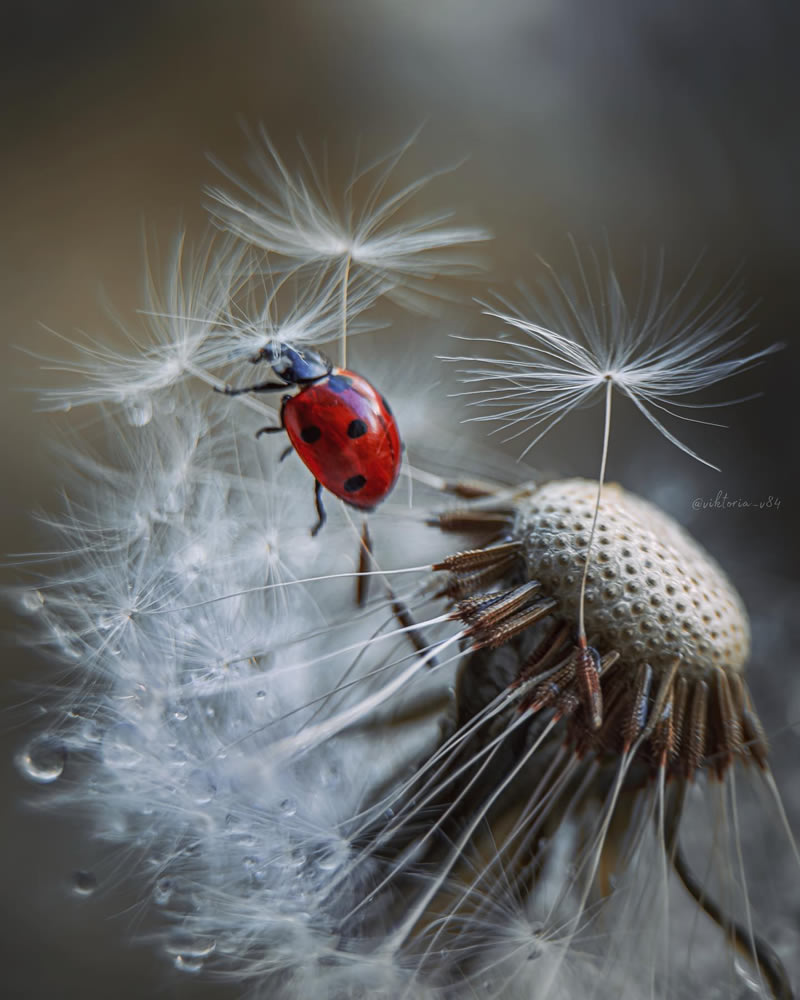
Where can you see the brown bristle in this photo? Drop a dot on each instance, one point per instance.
(670, 631)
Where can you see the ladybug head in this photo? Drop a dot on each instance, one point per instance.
(296, 367)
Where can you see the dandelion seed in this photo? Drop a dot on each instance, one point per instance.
(276, 309)
(656, 353)
(178, 321)
(294, 216)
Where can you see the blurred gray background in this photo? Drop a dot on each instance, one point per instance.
(643, 124)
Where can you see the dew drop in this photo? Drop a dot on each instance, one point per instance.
(244, 839)
(185, 963)
(190, 948)
(162, 891)
(122, 746)
(139, 412)
(296, 858)
(333, 858)
(42, 760)
(68, 643)
(289, 807)
(261, 694)
(91, 731)
(173, 501)
(329, 773)
(84, 883)
(200, 786)
(31, 601)
(191, 560)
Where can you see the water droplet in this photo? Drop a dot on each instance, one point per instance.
(31, 601)
(68, 643)
(162, 891)
(333, 858)
(329, 773)
(84, 883)
(244, 839)
(43, 759)
(174, 501)
(296, 858)
(189, 947)
(91, 731)
(191, 560)
(185, 963)
(261, 694)
(200, 786)
(139, 412)
(123, 745)
(289, 807)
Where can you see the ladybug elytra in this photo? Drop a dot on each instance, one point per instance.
(338, 423)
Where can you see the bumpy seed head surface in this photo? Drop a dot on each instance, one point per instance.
(652, 592)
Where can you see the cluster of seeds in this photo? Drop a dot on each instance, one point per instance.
(652, 592)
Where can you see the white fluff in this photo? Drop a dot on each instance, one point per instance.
(252, 736)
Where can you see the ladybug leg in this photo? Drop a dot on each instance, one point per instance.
(276, 428)
(286, 452)
(260, 387)
(323, 517)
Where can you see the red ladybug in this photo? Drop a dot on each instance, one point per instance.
(339, 425)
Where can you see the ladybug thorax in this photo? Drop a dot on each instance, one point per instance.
(298, 367)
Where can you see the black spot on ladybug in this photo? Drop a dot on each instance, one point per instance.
(356, 429)
(338, 383)
(354, 484)
(386, 406)
(311, 434)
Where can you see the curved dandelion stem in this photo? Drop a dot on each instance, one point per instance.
(600, 481)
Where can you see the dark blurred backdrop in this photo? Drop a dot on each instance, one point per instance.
(641, 124)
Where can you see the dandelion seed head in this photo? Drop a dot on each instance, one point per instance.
(652, 591)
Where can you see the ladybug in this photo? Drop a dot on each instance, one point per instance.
(338, 423)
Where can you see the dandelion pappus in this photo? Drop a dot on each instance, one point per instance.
(338, 423)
